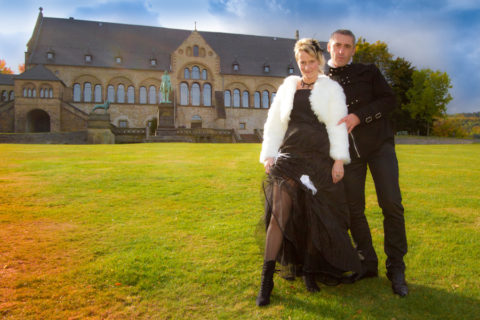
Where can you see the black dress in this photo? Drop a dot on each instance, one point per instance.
(315, 237)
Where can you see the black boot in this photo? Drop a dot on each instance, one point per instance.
(310, 282)
(266, 286)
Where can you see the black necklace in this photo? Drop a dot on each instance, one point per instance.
(303, 84)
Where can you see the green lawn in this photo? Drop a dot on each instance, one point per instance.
(167, 231)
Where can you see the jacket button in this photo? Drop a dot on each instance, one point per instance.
(378, 115)
(368, 119)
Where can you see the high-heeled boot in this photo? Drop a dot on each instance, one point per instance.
(266, 286)
(310, 282)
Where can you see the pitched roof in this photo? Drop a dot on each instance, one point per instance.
(38, 72)
(70, 40)
(6, 79)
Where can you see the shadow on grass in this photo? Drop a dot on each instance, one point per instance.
(373, 299)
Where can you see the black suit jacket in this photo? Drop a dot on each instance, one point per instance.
(371, 99)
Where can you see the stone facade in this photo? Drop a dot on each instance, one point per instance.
(218, 81)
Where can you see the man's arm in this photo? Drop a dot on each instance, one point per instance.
(384, 100)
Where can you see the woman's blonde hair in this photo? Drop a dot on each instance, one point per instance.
(312, 47)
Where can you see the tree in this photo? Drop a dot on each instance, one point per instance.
(399, 76)
(376, 53)
(21, 68)
(3, 68)
(428, 96)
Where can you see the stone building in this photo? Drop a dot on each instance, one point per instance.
(219, 81)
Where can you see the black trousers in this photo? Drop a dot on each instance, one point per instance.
(383, 166)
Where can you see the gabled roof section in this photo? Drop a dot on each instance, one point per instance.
(69, 41)
(72, 39)
(252, 52)
(6, 79)
(38, 73)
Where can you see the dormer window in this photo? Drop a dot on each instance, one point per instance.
(153, 62)
(290, 70)
(88, 58)
(236, 66)
(266, 68)
(50, 55)
(118, 60)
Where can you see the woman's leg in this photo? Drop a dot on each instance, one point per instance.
(281, 207)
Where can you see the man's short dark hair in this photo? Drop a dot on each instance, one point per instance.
(345, 32)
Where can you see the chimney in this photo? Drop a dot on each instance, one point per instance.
(297, 35)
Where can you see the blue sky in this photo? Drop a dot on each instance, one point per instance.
(436, 34)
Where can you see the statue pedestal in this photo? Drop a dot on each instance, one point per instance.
(98, 129)
(166, 115)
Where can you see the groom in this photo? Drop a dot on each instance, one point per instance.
(370, 99)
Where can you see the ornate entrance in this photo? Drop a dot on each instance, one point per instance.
(38, 121)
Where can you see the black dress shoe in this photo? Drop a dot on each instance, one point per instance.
(399, 285)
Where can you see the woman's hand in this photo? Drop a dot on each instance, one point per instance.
(337, 171)
(267, 164)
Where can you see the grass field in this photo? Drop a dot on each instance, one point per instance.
(166, 231)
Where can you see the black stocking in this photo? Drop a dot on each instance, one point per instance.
(281, 208)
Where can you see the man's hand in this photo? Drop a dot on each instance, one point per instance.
(351, 121)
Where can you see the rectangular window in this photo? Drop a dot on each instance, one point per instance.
(123, 123)
(88, 58)
(243, 125)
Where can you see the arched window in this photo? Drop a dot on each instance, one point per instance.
(273, 96)
(186, 73)
(34, 93)
(50, 93)
(183, 94)
(236, 98)
(25, 92)
(87, 92)
(131, 94)
(143, 95)
(204, 74)
(12, 95)
(29, 94)
(41, 93)
(245, 99)
(227, 98)
(5, 95)
(265, 102)
(76, 92)
(207, 95)
(121, 93)
(257, 99)
(195, 72)
(98, 93)
(195, 94)
(195, 51)
(152, 95)
(111, 93)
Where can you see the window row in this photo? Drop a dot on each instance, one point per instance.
(119, 94)
(32, 93)
(194, 95)
(195, 73)
(260, 100)
(88, 58)
(6, 96)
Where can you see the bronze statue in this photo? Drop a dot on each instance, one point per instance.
(165, 88)
(104, 106)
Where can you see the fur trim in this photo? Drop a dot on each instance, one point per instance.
(328, 103)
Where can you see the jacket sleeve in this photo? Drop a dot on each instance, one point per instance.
(384, 100)
(337, 134)
(274, 129)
